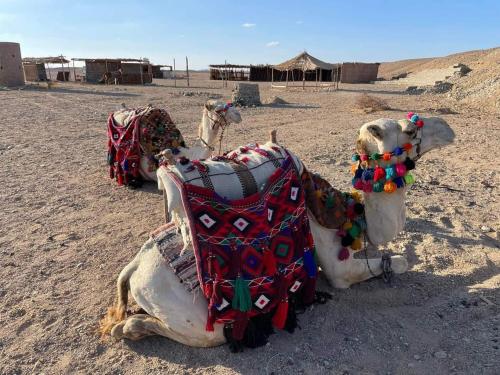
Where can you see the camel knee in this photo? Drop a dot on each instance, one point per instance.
(137, 327)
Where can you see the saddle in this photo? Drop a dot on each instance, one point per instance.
(254, 255)
(139, 133)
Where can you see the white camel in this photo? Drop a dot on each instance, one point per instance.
(216, 117)
(173, 312)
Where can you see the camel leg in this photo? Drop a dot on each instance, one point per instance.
(139, 326)
(165, 207)
(363, 269)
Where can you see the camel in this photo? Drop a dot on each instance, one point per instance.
(216, 117)
(173, 312)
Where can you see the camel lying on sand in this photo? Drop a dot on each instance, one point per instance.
(173, 312)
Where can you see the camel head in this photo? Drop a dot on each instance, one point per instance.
(386, 153)
(386, 134)
(226, 112)
(217, 115)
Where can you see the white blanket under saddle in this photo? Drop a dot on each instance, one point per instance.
(244, 173)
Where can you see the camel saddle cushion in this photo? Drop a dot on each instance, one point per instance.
(252, 253)
(136, 133)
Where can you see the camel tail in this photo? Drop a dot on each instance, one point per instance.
(118, 312)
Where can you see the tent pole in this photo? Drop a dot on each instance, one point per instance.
(74, 70)
(303, 79)
(286, 78)
(175, 76)
(272, 76)
(187, 70)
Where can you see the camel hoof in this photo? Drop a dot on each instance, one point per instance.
(399, 264)
(117, 331)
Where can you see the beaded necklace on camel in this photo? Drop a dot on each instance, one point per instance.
(386, 178)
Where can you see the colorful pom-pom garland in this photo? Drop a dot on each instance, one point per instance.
(386, 178)
(351, 231)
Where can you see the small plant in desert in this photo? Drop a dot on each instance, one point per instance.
(368, 104)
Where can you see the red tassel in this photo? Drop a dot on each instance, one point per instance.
(209, 327)
(279, 318)
(309, 290)
(119, 178)
(378, 174)
(240, 325)
(269, 262)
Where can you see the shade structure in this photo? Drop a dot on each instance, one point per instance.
(304, 61)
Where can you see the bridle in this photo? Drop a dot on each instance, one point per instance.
(219, 120)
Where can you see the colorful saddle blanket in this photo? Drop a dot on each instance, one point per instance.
(139, 133)
(252, 253)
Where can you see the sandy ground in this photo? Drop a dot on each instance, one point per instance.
(66, 231)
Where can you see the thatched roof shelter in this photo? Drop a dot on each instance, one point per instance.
(305, 67)
(46, 60)
(304, 61)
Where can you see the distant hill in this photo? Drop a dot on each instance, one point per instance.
(480, 88)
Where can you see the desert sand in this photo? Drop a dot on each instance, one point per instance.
(66, 231)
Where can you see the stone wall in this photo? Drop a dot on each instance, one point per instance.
(11, 65)
(246, 94)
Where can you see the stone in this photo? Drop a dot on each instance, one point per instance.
(441, 354)
(246, 94)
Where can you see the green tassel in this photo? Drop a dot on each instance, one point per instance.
(329, 201)
(241, 299)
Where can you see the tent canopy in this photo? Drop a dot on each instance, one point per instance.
(304, 61)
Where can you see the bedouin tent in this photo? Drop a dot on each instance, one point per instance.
(305, 63)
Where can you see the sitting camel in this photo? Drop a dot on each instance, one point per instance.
(173, 312)
(157, 131)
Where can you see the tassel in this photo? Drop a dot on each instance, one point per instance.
(409, 179)
(269, 262)
(359, 208)
(390, 172)
(119, 178)
(309, 290)
(239, 326)
(310, 264)
(125, 165)
(279, 318)
(241, 299)
(378, 187)
(347, 240)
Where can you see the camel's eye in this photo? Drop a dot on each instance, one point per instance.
(411, 133)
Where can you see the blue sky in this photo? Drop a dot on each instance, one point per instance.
(257, 31)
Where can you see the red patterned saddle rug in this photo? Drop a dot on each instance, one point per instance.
(139, 133)
(252, 254)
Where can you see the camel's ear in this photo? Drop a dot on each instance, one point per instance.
(376, 131)
(210, 105)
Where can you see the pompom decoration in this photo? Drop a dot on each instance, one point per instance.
(361, 223)
(399, 182)
(347, 225)
(347, 240)
(378, 174)
(355, 230)
(378, 187)
(367, 174)
(341, 232)
(398, 151)
(400, 169)
(343, 254)
(390, 172)
(409, 164)
(390, 187)
(358, 184)
(358, 173)
(407, 147)
(359, 208)
(356, 244)
(367, 187)
(409, 179)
